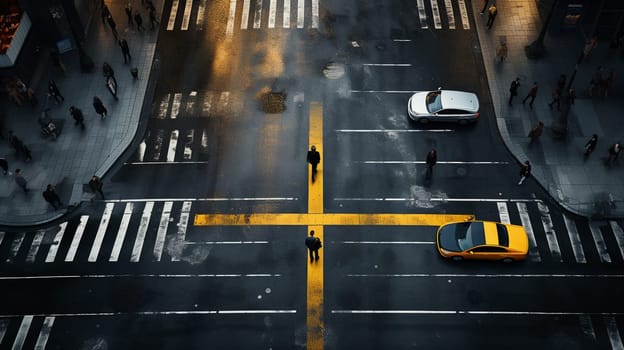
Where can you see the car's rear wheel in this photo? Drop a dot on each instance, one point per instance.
(423, 120)
(457, 258)
(508, 260)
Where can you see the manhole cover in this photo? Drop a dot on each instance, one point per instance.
(273, 102)
(334, 70)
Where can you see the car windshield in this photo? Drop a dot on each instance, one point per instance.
(470, 234)
(434, 101)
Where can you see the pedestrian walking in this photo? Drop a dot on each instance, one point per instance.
(432, 159)
(53, 91)
(513, 89)
(485, 3)
(531, 94)
(138, 19)
(501, 51)
(76, 113)
(614, 152)
(4, 164)
(112, 25)
(152, 17)
(314, 158)
(125, 50)
(536, 132)
(99, 107)
(96, 185)
(111, 85)
(52, 197)
(128, 10)
(20, 180)
(25, 151)
(313, 244)
(492, 12)
(105, 13)
(107, 70)
(556, 98)
(595, 81)
(591, 144)
(525, 172)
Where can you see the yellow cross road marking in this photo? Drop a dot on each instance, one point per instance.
(315, 220)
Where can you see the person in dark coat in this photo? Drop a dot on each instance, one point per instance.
(614, 152)
(128, 10)
(591, 144)
(138, 19)
(432, 159)
(531, 94)
(4, 164)
(125, 50)
(96, 185)
(314, 158)
(492, 12)
(525, 172)
(52, 197)
(107, 70)
(313, 244)
(536, 132)
(53, 91)
(112, 25)
(513, 89)
(76, 113)
(99, 107)
(20, 180)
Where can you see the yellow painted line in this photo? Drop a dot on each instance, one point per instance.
(329, 219)
(314, 306)
(315, 189)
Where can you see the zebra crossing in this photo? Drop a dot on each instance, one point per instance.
(135, 231)
(185, 15)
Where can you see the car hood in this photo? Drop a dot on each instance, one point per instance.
(417, 103)
(447, 238)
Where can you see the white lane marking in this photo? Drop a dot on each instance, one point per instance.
(187, 14)
(229, 31)
(224, 242)
(162, 231)
(434, 199)
(464, 14)
(449, 13)
(599, 242)
(126, 275)
(34, 247)
(16, 244)
(173, 144)
(614, 333)
(223, 101)
(300, 13)
(245, 17)
(575, 240)
(3, 327)
(272, 13)
(315, 13)
(175, 105)
(233, 199)
(382, 242)
(1, 237)
(158, 141)
(168, 163)
(619, 235)
(204, 139)
(161, 313)
(200, 15)
(423, 162)
(383, 91)
(188, 144)
(44, 333)
(207, 105)
(422, 14)
(474, 312)
(437, 22)
(257, 14)
(164, 106)
(391, 130)
(121, 233)
(402, 40)
(387, 64)
(101, 232)
(20, 338)
(141, 232)
(480, 275)
(286, 18)
(503, 213)
(551, 236)
(53, 250)
(587, 326)
(534, 254)
(73, 248)
(190, 103)
(172, 15)
(182, 224)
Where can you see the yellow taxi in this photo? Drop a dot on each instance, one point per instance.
(484, 240)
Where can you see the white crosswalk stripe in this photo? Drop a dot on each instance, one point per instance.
(619, 235)
(614, 334)
(162, 231)
(34, 247)
(99, 236)
(551, 237)
(534, 254)
(53, 250)
(73, 248)
(4, 324)
(140, 238)
(182, 224)
(575, 240)
(16, 244)
(503, 213)
(121, 233)
(44, 334)
(20, 339)
(599, 242)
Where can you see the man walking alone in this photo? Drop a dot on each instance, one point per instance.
(314, 158)
(313, 244)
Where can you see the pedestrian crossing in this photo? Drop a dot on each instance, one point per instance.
(244, 15)
(196, 104)
(144, 230)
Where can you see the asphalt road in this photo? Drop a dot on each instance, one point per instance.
(135, 272)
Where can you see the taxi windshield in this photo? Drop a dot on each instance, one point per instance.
(434, 101)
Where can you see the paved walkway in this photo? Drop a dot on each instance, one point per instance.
(582, 185)
(69, 161)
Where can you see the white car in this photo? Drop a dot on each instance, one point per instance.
(443, 105)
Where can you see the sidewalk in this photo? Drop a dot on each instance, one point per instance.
(69, 161)
(583, 186)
